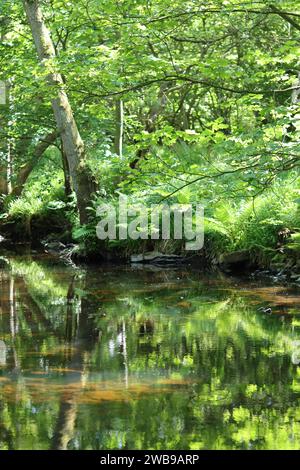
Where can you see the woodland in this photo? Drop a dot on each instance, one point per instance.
(184, 102)
(163, 102)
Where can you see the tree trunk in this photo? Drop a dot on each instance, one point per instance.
(67, 176)
(6, 167)
(73, 144)
(4, 147)
(155, 111)
(29, 166)
(119, 128)
(9, 172)
(295, 100)
(6, 153)
(3, 177)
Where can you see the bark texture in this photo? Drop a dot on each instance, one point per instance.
(119, 128)
(72, 142)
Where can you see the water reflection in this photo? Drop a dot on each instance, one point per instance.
(110, 358)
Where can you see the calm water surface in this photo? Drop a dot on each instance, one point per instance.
(124, 358)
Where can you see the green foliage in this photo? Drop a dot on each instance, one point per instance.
(256, 225)
(210, 112)
(294, 242)
(43, 207)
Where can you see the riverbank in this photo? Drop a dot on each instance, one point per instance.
(244, 238)
(247, 236)
(238, 264)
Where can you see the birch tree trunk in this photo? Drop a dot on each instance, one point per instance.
(119, 128)
(3, 157)
(3, 129)
(67, 127)
(6, 146)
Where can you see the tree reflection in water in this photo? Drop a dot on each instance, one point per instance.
(113, 358)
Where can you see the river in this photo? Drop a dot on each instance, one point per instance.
(119, 357)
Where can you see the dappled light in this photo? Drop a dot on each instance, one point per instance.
(191, 355)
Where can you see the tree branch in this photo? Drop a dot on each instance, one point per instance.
(285, 15)
(192, 80)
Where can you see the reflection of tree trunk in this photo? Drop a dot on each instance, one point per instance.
(124, 343)
(33, 309)
(6, 435)
(14, 324)
(85, 339)
(184, 345)
(65, 425)
(87, 334)
(11, 308)
(70, 327)
(4, 298)
(9, 313)
(13, 319)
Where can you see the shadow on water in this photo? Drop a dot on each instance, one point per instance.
(124, 358)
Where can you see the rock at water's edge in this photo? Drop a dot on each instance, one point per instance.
(230, 260)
